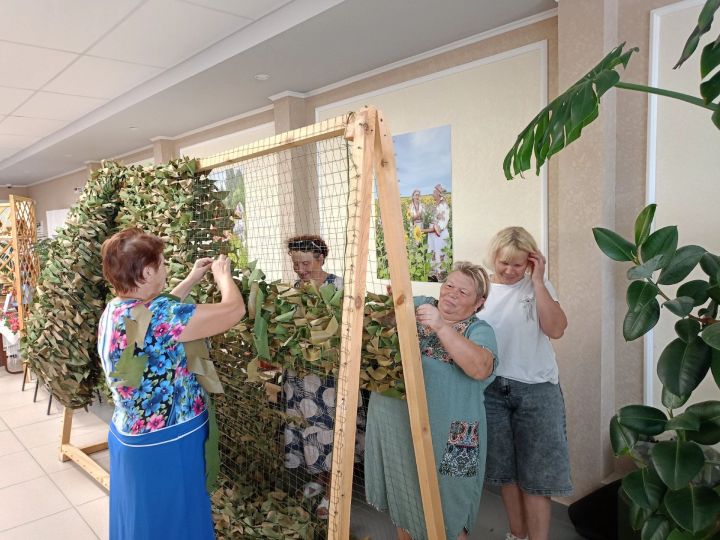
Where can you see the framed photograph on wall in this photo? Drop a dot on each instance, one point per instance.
(424, 169)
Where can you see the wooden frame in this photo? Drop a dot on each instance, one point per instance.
(81, 456)
(372, 150)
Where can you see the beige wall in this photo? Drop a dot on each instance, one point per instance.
(56, 194)
(486, 104)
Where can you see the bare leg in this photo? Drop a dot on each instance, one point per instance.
(463, 535)
(514, 508)
(403, 534)
(537, 512)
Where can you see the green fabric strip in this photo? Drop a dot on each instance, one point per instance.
(212, 449)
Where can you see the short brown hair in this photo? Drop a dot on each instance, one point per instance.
(310, 243)
(126, 254)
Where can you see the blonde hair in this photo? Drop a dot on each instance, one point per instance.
(479, 276)
(511, 241)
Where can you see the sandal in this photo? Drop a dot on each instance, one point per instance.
(323, 509)
(312, 489)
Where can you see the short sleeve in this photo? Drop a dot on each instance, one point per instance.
(551, 290)
(420, 300)
(482, 334)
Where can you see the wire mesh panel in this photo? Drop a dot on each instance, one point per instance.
(299, 369)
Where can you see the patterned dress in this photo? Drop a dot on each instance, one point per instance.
(160, 425)
(457, 422)
(311, 399)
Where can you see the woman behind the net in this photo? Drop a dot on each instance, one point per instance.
(160, 424)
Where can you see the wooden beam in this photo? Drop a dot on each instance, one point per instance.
(327, 129)
(361, 135)
(81, 455)
(389, 201)
(87, 463)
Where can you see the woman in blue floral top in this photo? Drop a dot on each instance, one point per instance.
(458, 359)
(160, 425)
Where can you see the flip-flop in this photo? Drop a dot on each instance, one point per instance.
(323, 509)
(312, 489)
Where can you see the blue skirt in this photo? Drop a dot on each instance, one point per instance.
(157, 487)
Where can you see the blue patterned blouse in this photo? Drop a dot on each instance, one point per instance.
(168, 393)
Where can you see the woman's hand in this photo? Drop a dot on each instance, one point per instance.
(221, 268)
(537, 260)
(198, 270)
(428, 315)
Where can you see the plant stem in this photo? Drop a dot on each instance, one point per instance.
(668, 93)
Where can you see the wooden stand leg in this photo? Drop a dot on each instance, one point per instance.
(81, 455)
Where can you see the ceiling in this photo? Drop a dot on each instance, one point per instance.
(84, 80)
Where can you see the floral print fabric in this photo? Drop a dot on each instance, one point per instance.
(463, 450)
(168, 392)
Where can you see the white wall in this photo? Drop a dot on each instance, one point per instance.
(686, 162)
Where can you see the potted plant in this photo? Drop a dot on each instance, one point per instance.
(675, 492)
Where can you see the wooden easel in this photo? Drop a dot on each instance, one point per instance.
(81, 456)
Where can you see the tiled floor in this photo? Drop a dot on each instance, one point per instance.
(42, 497)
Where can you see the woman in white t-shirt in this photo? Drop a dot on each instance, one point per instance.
(527, 441)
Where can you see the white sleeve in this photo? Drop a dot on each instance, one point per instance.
(551, 290)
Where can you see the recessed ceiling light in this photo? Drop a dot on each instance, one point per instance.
(262, 77)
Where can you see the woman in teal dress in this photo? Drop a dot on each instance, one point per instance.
(459, 354)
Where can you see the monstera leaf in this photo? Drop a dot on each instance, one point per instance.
(709, 59)
(562, 121)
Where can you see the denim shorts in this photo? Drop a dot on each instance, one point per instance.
(527, 440)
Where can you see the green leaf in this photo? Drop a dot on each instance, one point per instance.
(704, 23)
(562, 121)
(260, 337)
(681, 264)
(709, 59)
(643, 223)
(710, 89)
(710, 264)
(642, 419)
(715, 366)
(645, 270)
(677, 462)
(677, 534)
(644, 488)
(709, 414)
(693, 508)
(638, 515)
(681, 306)
(683, 365)
(696, 289)
(686, 421)
(655, 528)
(711, 335)
(687, 329)
(613, 245)
(622, 439)
(643, 309)
(662, 242)
(671, 401)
